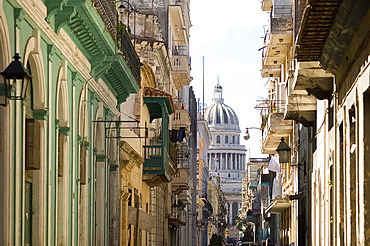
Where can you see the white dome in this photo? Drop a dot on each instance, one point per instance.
(220, 115)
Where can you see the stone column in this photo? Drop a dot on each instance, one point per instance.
(238, 162)
(223, 162)
(233, 160)
(212, 161)
(209, 162)
(227, 161)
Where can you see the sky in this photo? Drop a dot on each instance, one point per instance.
(228, 35)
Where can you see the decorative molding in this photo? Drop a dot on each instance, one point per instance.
(76, 78)
(40, 114)
(19, 15)
(77, 61)
(113, 167)
(100, 158)
(53, 52)
(85, 144)
(125, 196)
(57, 123)
(64, 130)
(129, 158)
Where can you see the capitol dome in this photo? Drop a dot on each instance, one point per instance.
(220, 115)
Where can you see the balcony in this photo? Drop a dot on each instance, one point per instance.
(181, 118)
(176, 18)
(278, 206)
(180, 180)
(301, 107)
(108, 12)
(180, 66)
(275, 128)
(277, 42)
(185, 197)
(156, 164)
(87, 25)
(311, 77)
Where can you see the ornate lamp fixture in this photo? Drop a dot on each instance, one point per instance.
(283, 151)
(15, 73)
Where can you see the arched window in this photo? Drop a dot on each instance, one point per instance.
(218, 139)
(226, 139)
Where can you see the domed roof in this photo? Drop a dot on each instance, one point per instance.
(218, 87)
(219, 114)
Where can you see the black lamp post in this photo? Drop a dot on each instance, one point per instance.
(16, 72)
(121, 8)
(283, 151)
(129, 9)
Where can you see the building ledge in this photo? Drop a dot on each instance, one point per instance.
(278, 206)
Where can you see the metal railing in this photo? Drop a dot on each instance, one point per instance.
(107, 10)
(131, 57)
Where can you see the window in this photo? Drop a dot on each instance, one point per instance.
(218, 139)
(226, 139)
(233, 139)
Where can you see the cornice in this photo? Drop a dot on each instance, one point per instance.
(77, 60)
(129, 158)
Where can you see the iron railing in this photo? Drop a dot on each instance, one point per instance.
(107, 10)
(130, 55)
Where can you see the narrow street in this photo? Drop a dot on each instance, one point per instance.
(184, 122)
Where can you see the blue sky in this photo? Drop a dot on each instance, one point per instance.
(228, 34)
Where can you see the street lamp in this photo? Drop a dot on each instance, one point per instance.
(283, 151)
(247, 136)
(129, 8)
(122, 8)
(16, 73)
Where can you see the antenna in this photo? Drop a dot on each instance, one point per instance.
(203, 91)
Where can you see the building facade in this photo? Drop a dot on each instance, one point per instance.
(157, 209)
(316, 56)
(53, 151)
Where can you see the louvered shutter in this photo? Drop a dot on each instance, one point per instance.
(32, 156)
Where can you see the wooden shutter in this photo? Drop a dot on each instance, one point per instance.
(32, 145)
(60, 155)
(83, 178)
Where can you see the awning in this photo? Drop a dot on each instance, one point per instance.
(176, 222)
(146, 221)
(278, 206)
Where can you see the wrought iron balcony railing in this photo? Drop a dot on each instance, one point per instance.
(107, 10)
(130, 55)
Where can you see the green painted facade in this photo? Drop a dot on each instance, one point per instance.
(78, 77)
